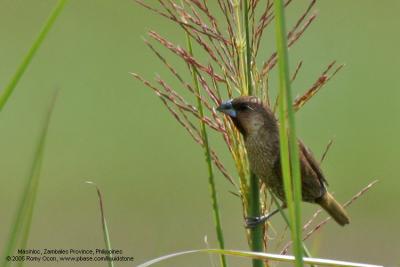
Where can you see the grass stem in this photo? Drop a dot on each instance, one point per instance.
(20, 227)
(248, 46)
(207, 156)
(287, 130)
(106, 234)
(254, 209)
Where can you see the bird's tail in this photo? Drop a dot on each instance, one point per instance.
(335, 210)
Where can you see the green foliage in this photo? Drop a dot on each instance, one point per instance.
(20, 229)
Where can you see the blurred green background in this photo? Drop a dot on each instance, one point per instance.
(109, 129)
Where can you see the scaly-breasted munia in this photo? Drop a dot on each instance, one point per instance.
(259, 128)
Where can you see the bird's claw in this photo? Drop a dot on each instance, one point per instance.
(252, 222)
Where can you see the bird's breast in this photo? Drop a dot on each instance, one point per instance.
(262, 156)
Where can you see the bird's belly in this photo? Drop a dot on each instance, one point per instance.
(272, 181)
(262, 159)
(262, 164)
(263, 171)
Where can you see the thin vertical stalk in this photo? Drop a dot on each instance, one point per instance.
(248, 46)
(254, 209)
(106, 234)
(287, 131)
(207, 156)
(31, 53)
(240, 45)
(20, 228)
(31, 204)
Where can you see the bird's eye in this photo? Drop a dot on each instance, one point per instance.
(244, 107)
(241, 107)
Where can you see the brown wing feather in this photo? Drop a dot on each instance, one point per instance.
(312, 178)
(312, 162)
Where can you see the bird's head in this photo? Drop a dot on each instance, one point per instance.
(248, 114)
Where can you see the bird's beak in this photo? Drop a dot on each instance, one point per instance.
(227, 108)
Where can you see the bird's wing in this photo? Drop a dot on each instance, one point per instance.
(307, 155)
(312, 179)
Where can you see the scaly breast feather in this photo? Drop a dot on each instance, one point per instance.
(262, 154)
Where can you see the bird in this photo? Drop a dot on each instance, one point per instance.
(260, 130)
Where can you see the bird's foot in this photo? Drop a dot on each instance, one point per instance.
(252, 222)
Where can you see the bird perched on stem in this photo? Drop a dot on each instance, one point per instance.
(259, 128)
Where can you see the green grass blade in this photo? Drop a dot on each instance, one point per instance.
(31, 204)
(20, 228)
(7, 91)
(104, 224)
(207, 155)
(261, 256)
(289, 147)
